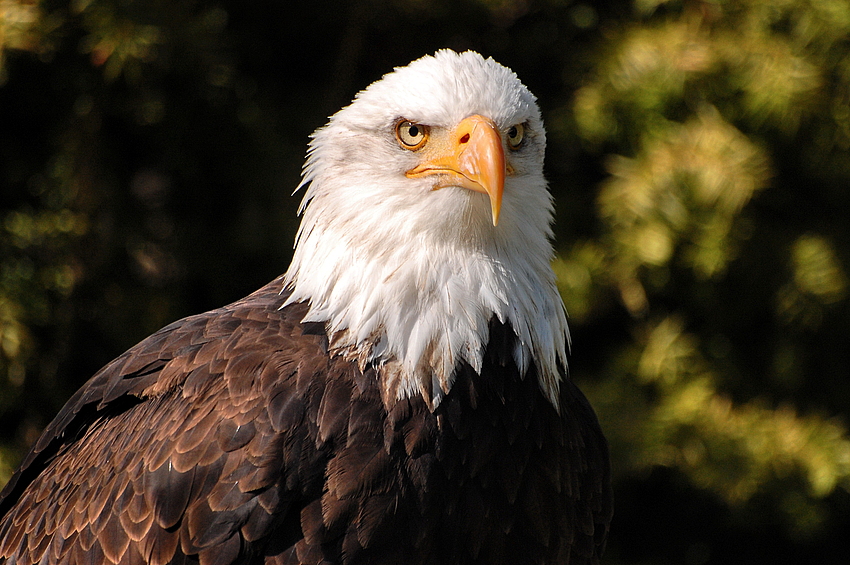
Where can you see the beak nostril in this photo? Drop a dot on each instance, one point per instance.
(464, 139)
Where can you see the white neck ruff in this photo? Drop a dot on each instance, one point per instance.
(415, 311)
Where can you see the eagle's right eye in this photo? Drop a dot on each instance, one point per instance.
(516, 135)
(410, 135)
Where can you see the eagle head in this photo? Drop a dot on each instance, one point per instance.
(426, 215)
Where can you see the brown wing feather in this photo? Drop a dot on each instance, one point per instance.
(232, 437)
(172, 436)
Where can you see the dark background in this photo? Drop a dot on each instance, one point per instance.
(698, 154)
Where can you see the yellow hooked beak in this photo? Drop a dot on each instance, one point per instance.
(472, 157)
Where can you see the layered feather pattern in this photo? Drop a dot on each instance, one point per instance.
(269, 451)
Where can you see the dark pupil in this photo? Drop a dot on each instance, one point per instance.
(413, 131)
(512, 132)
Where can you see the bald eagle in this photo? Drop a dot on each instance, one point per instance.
(399, 395)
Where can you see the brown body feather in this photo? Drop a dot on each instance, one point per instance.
(233, 437)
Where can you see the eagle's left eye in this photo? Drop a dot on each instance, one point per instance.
(516, 135)
(410, 135)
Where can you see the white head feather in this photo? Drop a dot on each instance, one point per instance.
(406, 277)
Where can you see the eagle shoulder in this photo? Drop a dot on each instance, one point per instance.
(174, 447)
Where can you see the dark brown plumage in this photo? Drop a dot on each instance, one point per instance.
(232, 437)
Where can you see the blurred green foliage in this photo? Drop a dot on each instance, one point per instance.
(699, 156)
